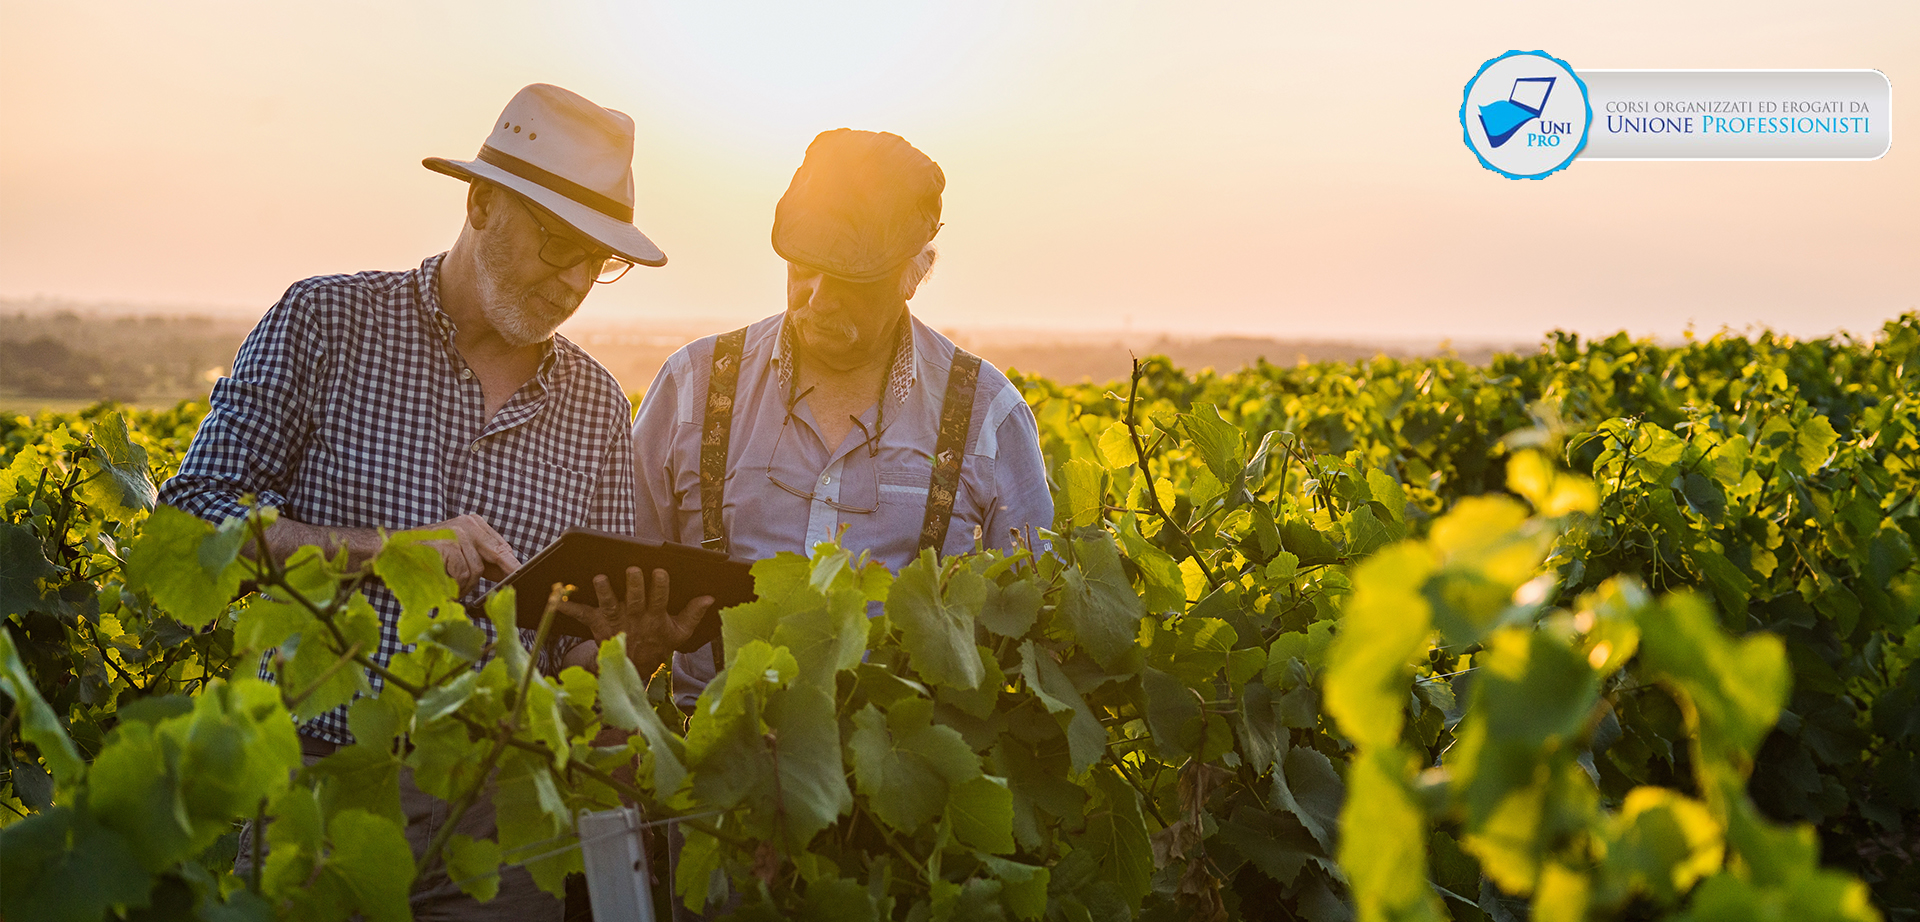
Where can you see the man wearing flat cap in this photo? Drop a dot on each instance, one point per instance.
(440, 397)
(843, 416)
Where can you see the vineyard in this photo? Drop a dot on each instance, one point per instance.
(1608, 631)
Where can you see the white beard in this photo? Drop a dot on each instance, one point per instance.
(519, 317)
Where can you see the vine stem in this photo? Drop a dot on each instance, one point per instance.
(259, 847)
(275, 576)
(501, 735)
(1153, 495)
(314, 686)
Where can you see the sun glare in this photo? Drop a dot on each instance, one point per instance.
(759, 68)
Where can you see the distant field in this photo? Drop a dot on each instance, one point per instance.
(30, 405)
(69, 356)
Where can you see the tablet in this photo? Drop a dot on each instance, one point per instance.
(580, 555)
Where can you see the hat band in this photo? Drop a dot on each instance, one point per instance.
(557, 183)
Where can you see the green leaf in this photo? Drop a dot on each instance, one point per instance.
(1388, 492)
(1086, 738)
(444, 761)
(1011, 610)
(813, 778)
(816, 609)
(1116, 447)
(237, 748)
(1383, 840)
(417, 574)
(1098, 602)
(22, 567)
(362, 777)
(530, 813)
(513, 654)
(936, 627)
(903, 763)
(1161, 578)
(1084, 499)
(1534, 688)
(39, 725)
(1703, 496)
(1813, 441)
(1365, 532)
(442, 700)
(981, 810)
(1309, 647)
(1277, 847)
(59, 866)
(699, 879)
(124, 485)
(474, 865)
(838, 899)
(1170, 707)
(307, 670)
(1826, 896)
(187, 565)
(623, 703)
(1660, 844)
(1737, 687)
(1117, 836)
(134, 788)
(1220, 444)
(1307, 786)
(371, 861)
(1552, 492)
(542, 719)
(1024, 886)
(1385, 624)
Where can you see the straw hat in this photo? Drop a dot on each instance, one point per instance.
(572, 157)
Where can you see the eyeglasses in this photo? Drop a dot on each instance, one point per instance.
(562, 253)
(872, 445)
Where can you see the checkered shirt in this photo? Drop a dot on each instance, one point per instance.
(350, 407)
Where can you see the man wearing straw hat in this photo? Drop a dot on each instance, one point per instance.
(440, 397)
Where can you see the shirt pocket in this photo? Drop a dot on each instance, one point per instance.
(546, 500)
(905, 486)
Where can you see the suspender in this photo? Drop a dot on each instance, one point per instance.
(956, 417)
(713, 439)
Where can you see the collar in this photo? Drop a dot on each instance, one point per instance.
(901, 377)
(427, 295)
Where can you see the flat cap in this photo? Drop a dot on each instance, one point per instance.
(862, 203)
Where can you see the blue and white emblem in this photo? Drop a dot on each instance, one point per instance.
(1526, 114)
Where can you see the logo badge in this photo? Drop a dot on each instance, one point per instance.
(1526, 114)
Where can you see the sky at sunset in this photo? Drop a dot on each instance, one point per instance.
(1279, 169)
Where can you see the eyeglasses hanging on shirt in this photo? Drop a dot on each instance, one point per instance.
(871, 443)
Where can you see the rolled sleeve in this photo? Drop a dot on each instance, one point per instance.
(258, 424)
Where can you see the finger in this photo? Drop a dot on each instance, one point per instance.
(492, 548)
(695, 610)
(657, 596)
(461, 563)
(685, 623)
(636, 588)
(603, 589)
(592, 618)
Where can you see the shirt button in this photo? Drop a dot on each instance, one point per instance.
(466, 374)
(825, 479)
(475, 448)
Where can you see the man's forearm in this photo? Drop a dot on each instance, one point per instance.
(285, 536)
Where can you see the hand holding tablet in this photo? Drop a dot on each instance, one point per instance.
(583, 558)
(652, 633)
